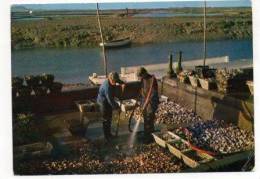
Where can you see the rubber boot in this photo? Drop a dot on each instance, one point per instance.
(106, 130)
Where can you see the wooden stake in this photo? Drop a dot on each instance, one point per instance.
(102, 41)
(205, 46)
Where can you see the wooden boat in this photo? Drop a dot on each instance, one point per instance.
(117, 43)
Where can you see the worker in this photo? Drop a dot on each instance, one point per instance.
(149, 101)
(107, 103)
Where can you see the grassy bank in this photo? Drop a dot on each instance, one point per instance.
(82, 31)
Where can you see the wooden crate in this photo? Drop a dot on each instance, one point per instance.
(127, 105)
(191, 162)
(178, 137)
(33, 150)
(175, 151)
(89, 111)
(194, 81)
(194, 158)
(159, 140)
(206, 84)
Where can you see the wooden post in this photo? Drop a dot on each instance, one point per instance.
(126, 12)
(205, 47)
(102, 41)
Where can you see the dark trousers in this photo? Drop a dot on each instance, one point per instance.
(106, 111)
(149, 117)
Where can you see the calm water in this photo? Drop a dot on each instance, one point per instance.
(75, 65)
(165, 14)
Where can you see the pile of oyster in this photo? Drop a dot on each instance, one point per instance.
(219, 137)
(91, 159)
(175, 114)
(171, 113)
(147, 159)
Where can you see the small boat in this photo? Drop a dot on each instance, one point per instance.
(117, 43)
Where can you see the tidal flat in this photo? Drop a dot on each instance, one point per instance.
(74, 29)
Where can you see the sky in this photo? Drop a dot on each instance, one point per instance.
(140, 5)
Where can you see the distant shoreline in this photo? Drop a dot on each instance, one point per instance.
(81, 31)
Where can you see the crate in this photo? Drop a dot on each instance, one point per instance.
(38, 149)
(199, 157)
(178, 137)
(176, 151)
(206, 84)
(127, 105)
(89, 111)
(159, 140)
(194, 158)
(163, 98)
(194, 81)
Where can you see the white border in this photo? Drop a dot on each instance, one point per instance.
(6, 168)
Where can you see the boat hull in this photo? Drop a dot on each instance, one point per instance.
(116, 44)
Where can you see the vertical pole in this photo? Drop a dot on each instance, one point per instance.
(205, 46)
(102, 41)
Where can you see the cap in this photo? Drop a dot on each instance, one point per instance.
(141, 71)
(115, 77)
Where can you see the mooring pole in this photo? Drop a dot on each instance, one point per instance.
(102, 41)
(204, 38)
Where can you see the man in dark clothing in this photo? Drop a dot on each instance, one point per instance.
(149, 101)
(107, 103)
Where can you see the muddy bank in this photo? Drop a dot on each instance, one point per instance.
(82, 31)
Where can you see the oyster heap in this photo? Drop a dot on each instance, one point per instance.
(91, 160)
(215, 135)
(174, 114)
(148, 159)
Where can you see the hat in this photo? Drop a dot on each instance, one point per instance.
(141, 72)
(115, 77)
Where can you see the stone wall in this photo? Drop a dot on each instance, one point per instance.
(207, 104)
(210, 104)
(66, 100)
